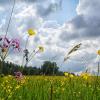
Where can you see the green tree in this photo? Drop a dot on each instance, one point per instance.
(49, 68)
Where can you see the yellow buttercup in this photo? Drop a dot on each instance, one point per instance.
(66, 74)
(31, 32)
(98, 52)
(41, 49)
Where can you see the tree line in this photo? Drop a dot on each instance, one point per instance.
(47, 68)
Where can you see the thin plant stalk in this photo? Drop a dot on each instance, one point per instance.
(31, 53)
(25, 49)
(51, 92)
(26, 42)
(32, 56)
(10, 17)
(98, 70)
(6, 54)
(3, 58)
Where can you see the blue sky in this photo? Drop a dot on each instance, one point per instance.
(66, 12)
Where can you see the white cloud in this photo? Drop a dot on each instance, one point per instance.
(57, 39)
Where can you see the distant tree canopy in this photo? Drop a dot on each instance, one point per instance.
(48, 68)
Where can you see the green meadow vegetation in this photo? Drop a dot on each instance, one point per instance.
(68, 87)
(23, 82)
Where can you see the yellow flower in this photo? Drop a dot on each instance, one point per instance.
(9, 76)
(4, 50)
(63, 89)
(17, 87)
(41, 49)
(98, 52)
(71, 76)
(85, 75)
(66, 74)
(31, 32)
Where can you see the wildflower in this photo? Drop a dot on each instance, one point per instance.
(71, 75)
(17, 87)
(4, 50)
(66, 74)
(31, 32)
(26, 53)
(85, 75)
(41, 49)
(9, 76)
(15, 43)
(7, 40)
(18, 75)
(63, 89)
(5, 46)
(4, 42)
(98, 52)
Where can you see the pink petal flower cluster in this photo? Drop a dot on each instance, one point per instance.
(6, 43)
(15, 44)
(18, 75)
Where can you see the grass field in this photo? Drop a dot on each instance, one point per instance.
(50, 88)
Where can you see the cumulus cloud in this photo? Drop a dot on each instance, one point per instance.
(25, 17)
(57, 39)
(86, 24)
(89, 10)
(43, 7)
(84, 28)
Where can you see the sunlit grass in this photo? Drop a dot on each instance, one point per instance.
(50, 88)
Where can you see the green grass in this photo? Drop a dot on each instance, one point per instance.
(50, 88)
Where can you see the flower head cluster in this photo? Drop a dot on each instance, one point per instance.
(31, 32)
(66, 73)
(98, 52)
(27, 57)
(85, 75)
(6, 44)
(15, 44)
(18, 75)
(41, 49)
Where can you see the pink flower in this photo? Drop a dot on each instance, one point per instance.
(15, 43)
(7, 40)
(7, 45)
(4, 42)
(18, 75)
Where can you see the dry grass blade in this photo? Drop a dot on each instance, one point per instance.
(75, 48)
(66, 58)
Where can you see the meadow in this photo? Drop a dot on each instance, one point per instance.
(58, 37)
(70, 87)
